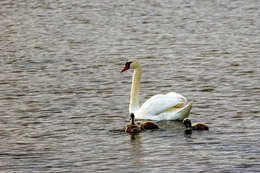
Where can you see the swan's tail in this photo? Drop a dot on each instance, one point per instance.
(184, 112)
(179, 114)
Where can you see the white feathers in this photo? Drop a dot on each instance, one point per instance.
(171, 106)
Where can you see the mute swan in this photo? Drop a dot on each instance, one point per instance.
(132, 128)
(194, 126)
(171, 106)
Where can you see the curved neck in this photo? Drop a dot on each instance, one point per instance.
(135, 90)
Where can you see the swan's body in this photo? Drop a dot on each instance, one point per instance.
(171, 106)
(132, 127)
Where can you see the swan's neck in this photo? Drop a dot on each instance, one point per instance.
(135, 90)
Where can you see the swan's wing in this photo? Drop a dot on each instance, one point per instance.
(162, 103)
(176, 95)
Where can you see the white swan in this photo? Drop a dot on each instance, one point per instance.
(171, 106)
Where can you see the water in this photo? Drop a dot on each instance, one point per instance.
(63, 100)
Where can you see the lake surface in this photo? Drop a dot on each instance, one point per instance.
(63, 100)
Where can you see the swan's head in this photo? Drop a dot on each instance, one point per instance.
(187, 123)
(131, 64)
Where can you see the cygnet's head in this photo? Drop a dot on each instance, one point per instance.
(187, 123)
(132, 118)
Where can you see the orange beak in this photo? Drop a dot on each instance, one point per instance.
(125, 68)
